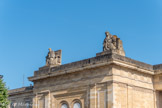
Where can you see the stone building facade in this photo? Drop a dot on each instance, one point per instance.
(109, 80)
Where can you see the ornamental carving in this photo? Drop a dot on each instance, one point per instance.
(53, 58)
(113, 44)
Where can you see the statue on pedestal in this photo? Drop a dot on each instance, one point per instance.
(109, 42)
(113, 44)
(53, 58)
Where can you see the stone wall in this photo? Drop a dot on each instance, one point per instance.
(132, 97)
(109, 86)
(90, 87)
(21, 98)
(132, 89)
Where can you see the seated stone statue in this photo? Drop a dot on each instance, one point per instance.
(109, 42)
(53, 58)
(50, 58)
(113, 44)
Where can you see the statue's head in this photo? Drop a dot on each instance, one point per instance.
(107, 33)
(50, 49)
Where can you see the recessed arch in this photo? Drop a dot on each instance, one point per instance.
(64, 104)
(77, 104)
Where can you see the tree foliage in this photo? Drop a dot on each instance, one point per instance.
(3, 94)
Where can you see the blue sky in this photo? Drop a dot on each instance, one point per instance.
(29, 27)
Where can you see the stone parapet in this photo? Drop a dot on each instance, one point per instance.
(89, 63)
(20, 90)
(158, 67)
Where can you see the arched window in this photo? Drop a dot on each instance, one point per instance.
(64, 106)
(12, 105)
(77, 105)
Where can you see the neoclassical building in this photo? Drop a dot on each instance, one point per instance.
(109, 80)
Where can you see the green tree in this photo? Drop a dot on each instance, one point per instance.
(3, 94)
